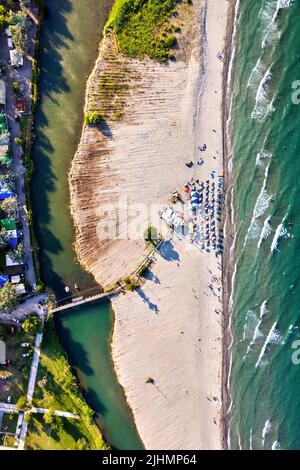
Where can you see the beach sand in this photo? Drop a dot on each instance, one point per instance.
(167, 329)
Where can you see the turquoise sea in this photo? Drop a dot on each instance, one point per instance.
(265, 383)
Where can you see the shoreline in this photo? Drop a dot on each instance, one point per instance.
(228, 261)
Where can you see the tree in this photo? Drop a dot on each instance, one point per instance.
(93, 118)
(9, 207)
(22, 403)
(31, 325)
(4, 239)
(151, 235)
(9, 179)
(82, 444)
(3, 18)
(49, 416)
(20, 38)
(17, 255)
(2, 333)
(16, 87)
(9, 298)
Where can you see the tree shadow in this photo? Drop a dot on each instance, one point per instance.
(168, 253)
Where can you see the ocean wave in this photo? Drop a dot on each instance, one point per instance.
(281, 232)
(261, 205)
(272, 338)
(265, 232)
(261, 156)
(269, 16)
(257, 74)
(266, 430)
(257, 332)
(276, 445)
(263, 106)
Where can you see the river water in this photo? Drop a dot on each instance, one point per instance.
(70, 39)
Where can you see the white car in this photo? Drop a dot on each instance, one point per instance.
(25, 345)
(9, 399)
(25, 355)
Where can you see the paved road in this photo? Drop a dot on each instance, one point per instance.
(34, 367)
(23, 76)
(29, 307)
(64, 414)
(7, 407)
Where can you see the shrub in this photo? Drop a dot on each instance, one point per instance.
(93, 118)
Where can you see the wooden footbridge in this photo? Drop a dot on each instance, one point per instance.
(75, 302)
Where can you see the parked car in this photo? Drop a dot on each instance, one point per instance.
(9, 399)
(25, 345)
(25, 355)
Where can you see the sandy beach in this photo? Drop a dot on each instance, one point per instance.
(170, 328)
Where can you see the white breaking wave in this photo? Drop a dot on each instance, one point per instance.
(269, 16)
(273, 337)
(263, 106)
(281, 232)
(257, 333)
(276, 445)
(261, 205)
(266, 430)
(257, 74)
(266, 231)
(261, 156)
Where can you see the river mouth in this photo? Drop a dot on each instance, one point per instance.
(70, 39)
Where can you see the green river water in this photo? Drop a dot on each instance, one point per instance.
(70, 39)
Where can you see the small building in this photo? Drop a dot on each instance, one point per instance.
(8, 224)
(2, 93)
(10, 262)
(3, 279)
(21, 105)
(10, 43)
(171, 218)
(16, 58)
(15, 279)
(20, 289)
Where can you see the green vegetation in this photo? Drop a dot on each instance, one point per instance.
(32, 325)
(93, 118)
(57, 389)
(9, 298)
(142, 27)
(16, 88)
(151, 235)
(22, 404)
(17, 371)
(130, 284)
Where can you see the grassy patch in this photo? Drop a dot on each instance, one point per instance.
(18, 368)
(143, 27)
(57, 388)
(9, 423)
(40, 435)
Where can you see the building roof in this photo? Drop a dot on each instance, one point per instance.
(3, 279)
(16, 58)
(2, 92)
(8, 224)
